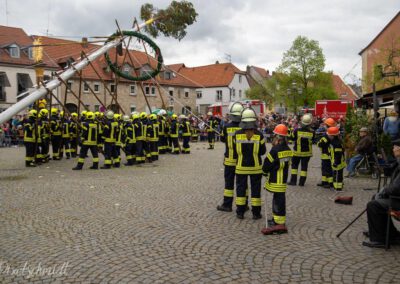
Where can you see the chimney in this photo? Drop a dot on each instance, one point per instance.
(217, 62)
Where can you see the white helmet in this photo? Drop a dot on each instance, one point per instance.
(249, 119)
(306, 119)
(162, 112)
(235, 112)
(209, 113)
(110, 114)
(182, 116)
(126, 118)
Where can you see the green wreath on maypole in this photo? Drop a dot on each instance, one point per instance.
(114, 67)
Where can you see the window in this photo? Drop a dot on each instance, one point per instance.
(171, 101)
(14, 51)
(126, 69)
(240, 93)
(24, 83)
(240, 78)
(112, 88)
(69, 85)
(171, 93)
(133, 108)
(219, 95)
(199, 94)
(96, 107)
(85, 88)
(87, 107)
(186, 94)
(96, 87)
(153, 91)
(147, 90)
(167, 75)
(30, 53)
(233, 93)
(132, 91)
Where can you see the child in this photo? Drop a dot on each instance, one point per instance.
(336, 152)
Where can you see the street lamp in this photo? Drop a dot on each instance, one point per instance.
(293, 90)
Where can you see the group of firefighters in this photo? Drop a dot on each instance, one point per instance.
(140, 136)
(244, 147)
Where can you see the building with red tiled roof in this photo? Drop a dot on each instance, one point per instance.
(343, 91)
(17, 74)
(219, 83)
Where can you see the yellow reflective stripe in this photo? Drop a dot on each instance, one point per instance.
(338, 185)
(248, 170)
(294, 171)
(256, 201)
(324, 178)
(303, 173)
(269, 157)
(338, 150)
(240, 200)
(325, 157)
(96, 160)
(279, 219)
(81, 160)
(285, 154)
(228, 192)
(330, 179)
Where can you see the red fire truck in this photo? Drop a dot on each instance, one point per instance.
(332, 108)
(222, 109)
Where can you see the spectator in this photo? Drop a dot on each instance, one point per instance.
(364, 146)
(391, 125)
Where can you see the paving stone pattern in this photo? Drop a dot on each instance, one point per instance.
(158, 223)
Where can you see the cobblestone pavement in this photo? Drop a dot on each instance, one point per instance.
(158, 223)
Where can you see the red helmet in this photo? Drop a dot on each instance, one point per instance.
(334, 131)
(330, 122)
(281, 130)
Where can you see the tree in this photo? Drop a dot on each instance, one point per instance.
(304, 62)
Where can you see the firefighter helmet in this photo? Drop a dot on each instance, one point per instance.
(235, 112)
(330, 122)
(143, 115)
(117, 116)
(182, 116)
(174, 116)
(306, 119)
(125, 118)
(97, 114)
(249, 119)
(90, 115)
(162, 112)
(209, 113)
(54, 111)
(32, 113)
(281, 130)
(74, 115)
(83, 113)
(333, 131)
(153, 116)
(42, 103)
(135, 116)
(62, 113)
(43, 113)
(110, 114)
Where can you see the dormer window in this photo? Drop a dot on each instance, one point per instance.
(30, 53)
(14, 51)
(167, 75)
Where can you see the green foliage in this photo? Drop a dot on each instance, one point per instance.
(172, 21)
(385, 143)
(259, 92)
(355, 120)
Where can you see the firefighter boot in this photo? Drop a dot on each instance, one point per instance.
(95, 166)
(302, 181)
(256, 212)
(224, 208)
(276, 229)
(29, 164)
(78, 167)
(116, 165)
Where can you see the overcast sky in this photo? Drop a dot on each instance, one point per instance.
(252, 32)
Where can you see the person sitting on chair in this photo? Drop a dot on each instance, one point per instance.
(377, 209)
(364, 146)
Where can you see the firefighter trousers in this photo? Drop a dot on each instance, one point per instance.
(153, 150)
(303, 173)
(241, 187)
(56, 143)
(162, 144)
(337, 179)
(175, 144)
(65, 144)
(117, 155)
(186, 146)
(211, 139)
(130, 153)
(83, 153)
(108, 153)
(326, 170)
(139, 152)
(29, 153)
(279, 207)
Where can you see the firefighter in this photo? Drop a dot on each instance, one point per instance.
(55, 131)
(249, 146)
(146, 145)
(118, 141)
(129, 141)
(174, 133)
(137, 123)
(276, 170)
(336, 152)
(212, 125)
(184, 127)
(89, 132)
(162, 145)
(45, 135)
(74, 131)
(326, 168)
(29, 138)
(65, 137)
(152, 136)
(99, 120)
(302, 149)
(109, 137)
(230, 156)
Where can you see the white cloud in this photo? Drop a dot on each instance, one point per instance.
(254, 32)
